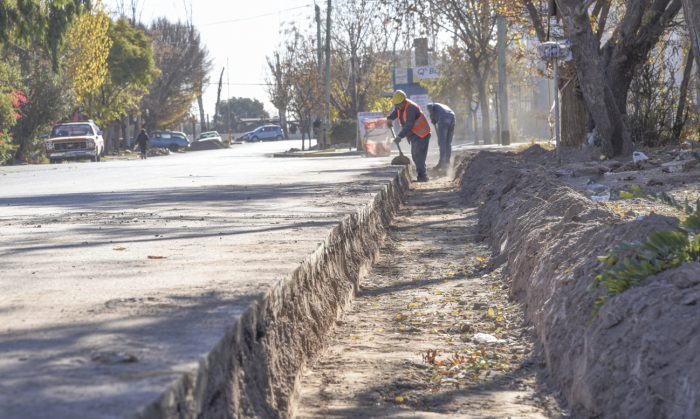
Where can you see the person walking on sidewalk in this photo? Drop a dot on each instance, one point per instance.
(142, 140)
(414, 127)
(444, 120)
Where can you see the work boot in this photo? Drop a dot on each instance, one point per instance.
(423, 178)
(439, 167)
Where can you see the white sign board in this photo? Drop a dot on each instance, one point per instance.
(554, 51)
(400, 76)
(375, 136)
(422, 101)
(425, 73)
(367, 116)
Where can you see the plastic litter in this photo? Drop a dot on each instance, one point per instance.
(598, 192)
(486, 338)
(592, 139)
(638, 156)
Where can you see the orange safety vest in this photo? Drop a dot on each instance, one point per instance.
(420, 127)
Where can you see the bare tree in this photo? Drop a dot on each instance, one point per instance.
(306, 87)
(681, 115)
(473, 23)
(184, 65)
(360, 59)
(606, 71)
(279, 90)
(691, 10)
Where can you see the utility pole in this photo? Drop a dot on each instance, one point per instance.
(319, 48)
(228, 103)
(319, 59)
(327, 117)
(553, 52)
(557, 115)
(504, 137)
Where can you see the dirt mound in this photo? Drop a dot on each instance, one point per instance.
(206, 145)
(638, 357)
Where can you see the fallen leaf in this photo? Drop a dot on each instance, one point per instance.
(400, 317)
(491, 312)
(399, 399)
(157, 257)
(119, 248)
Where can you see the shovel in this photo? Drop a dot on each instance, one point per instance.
(399, 160)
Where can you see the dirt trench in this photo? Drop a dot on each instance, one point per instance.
(513, 254)
(409, 346)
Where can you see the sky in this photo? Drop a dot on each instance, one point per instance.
(242, 32)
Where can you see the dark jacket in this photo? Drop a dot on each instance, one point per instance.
(142, 140)
(440, 113)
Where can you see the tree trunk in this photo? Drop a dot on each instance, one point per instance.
(353, 83)
(202, 119)
(468, 124)
(475, 121)
(574, 115)
(598, 95)
(691, 10)
(485, 117)
(283, 121)
(683, 99)
(125, 133)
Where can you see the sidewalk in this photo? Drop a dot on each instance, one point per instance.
(416, 342)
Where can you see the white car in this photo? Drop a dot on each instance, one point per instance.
(210, 136)
(74, 141)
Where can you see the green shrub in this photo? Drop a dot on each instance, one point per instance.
(663, 197)
(632, 262)
(344, 131)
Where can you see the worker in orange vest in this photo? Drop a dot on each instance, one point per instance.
(414, 127)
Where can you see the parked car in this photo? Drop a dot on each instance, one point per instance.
(171, 140)
(183, 135)
(264, 133)
(210, 136)
(74, 141)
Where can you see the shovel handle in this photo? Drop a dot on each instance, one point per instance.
(397, 144)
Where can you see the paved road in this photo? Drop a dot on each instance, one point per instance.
(116, 277)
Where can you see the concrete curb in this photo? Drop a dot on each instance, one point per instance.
(312, 154)
(253, 370)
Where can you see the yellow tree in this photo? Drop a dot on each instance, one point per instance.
(87, 49)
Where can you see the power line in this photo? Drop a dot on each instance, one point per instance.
(237, 84)
(242, 19)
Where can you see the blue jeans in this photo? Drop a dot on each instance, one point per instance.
(419, 152)
(446, 130)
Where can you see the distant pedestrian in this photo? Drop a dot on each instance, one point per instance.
(414, 127)
(444, 120)
(142, 141)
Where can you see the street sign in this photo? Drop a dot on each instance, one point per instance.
(400, 76)
(422, 101)
(425, 73)
(553, 50)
